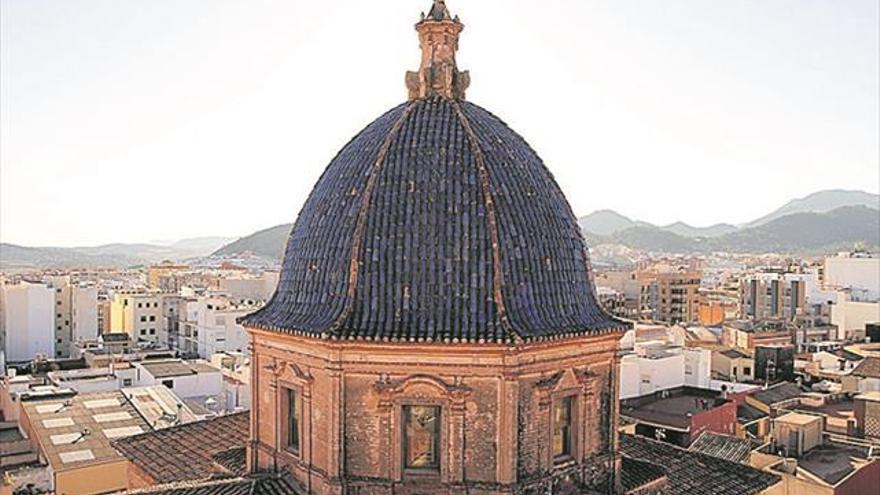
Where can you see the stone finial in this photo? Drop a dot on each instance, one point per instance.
(438, 74)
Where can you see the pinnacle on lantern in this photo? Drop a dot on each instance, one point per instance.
(439, 12)
(438, 74)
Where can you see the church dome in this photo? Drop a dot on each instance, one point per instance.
(436, 223)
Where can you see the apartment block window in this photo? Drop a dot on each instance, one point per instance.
(152, 331)
(152, 317)
(143, 318)
(126, 382)
(562, 427)
(140, 305)
(421, 437)
(292, 418)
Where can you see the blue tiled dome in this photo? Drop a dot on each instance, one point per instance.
(436, 223)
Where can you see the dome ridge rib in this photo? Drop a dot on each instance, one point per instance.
(360, 225)
(498, 275)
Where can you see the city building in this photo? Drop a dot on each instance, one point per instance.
(73, 436)
(144, 315)
(654, 358)
(76, 314)
(247, 287)
(866, 410)
(669, 292)
(773, 296)
(829, 466)
(865, 377)
(186, 379)
(27, 321)
(852, 317)
(795, 433)
(856, 272)
(210, 325)
(775, 398)
(732, 365)
(679, 416)
(774, 363)
(748, 334)
(159, 276)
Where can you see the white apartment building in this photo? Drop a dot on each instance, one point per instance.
(655, 359)
(187, 379)
(850, 316)
(76, 314)
(663, 368)
(210, 326)
(858, 272)
(27, 320)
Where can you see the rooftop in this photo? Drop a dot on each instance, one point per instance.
(693, 473)
(869, 368)
(159, 406)
(777, 393)
(734, 354)
(168, 368)
(256, 485)
(635, 474)
(187, 452)
(78, 431)
(671, 408)
(726, 447)
(800, 419)
(832, 462)
(746, 413)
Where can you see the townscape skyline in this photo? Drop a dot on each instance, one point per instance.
(775, 99)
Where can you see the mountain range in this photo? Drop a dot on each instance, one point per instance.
(608, 222)
(108, 255)
(822, 222)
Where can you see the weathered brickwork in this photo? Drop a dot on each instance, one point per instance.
(496, 425)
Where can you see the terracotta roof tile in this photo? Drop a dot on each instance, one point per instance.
(186, 452)
(869, 368)
(257, 485)
(692, 473)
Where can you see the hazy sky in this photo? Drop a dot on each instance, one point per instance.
(134, 120)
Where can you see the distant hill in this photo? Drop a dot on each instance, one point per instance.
(821, 202)
(685, 230)
(268, 243)
(108, 255)
(607, 222)
(800, 232)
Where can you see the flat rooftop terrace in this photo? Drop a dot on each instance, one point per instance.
(672, 409)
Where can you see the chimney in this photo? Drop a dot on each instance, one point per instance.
(438, 74)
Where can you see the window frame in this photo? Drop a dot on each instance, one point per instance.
(437, 466)
(570, 439)
(289, 392)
